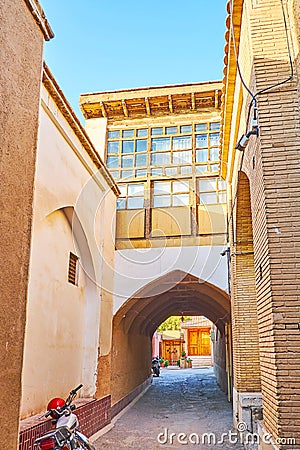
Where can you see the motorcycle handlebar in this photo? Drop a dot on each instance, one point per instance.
(76, 389)
(73, 394)
(46, 414)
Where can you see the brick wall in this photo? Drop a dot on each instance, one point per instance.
(92, 415)
(243, 300)
(121, 404)
(272, 163)
(278, 255)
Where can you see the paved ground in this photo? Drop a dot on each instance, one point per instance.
(179, 401)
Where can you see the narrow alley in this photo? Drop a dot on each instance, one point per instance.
(179, 401)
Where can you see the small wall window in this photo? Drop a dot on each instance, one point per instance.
(73, 269)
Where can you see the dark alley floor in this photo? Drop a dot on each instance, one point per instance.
(185, 401)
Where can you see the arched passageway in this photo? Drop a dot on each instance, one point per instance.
(176, 293)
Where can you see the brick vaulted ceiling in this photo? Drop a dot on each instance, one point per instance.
(174, 294)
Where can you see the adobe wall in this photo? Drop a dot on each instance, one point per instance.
(21, 43)
(131, 362)
(219, 354)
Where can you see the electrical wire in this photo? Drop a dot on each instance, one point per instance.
(262, 91)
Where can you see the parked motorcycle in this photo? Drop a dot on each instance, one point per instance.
(155, 367)
(65, 436)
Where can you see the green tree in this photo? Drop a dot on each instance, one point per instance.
(172, 323)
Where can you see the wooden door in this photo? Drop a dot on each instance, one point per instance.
(199, 342)
(171, 351)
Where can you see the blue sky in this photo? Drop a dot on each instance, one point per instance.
(102, 45)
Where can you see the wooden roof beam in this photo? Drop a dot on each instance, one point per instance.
(193, 101)
(102, 107)
(125, 109)
(148, 109)
(170, 104)
(217, 98)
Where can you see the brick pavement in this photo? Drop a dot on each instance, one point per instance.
(179, 401)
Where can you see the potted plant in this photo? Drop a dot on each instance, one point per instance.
(183, 360)
(189, 363)
(162, 362)
(166, 363)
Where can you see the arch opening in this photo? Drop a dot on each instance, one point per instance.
(134, 324)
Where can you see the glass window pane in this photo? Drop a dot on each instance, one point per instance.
(185, 170)
(160, 144)
(113, 134)
(136, 189)
(141, 145)
(156, 172)
(158, 159)
(115, 174)
(156, 131)
(141, 159)
(171, 130)
(214, 168)
(123, 189)
(127, 146)
(214, 126)
(182, 142)
(207, 184)
(208, 198)
(127, 161)
(201, 169)
(126, 174)
(201, 127)
(112, 161)
(135, 203)
(214, 139)
(141, 173)
(222, 185)
(113, 147)
(201, 155)
(127, 133)
(162, 201)
(171, 171)
(161, 187)
(180, 200)
(186, 129)
(182, 157)
(201, 140)
(121, 203)
(222, 197)
(180, 186)
(142, 132)
(214, 154)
